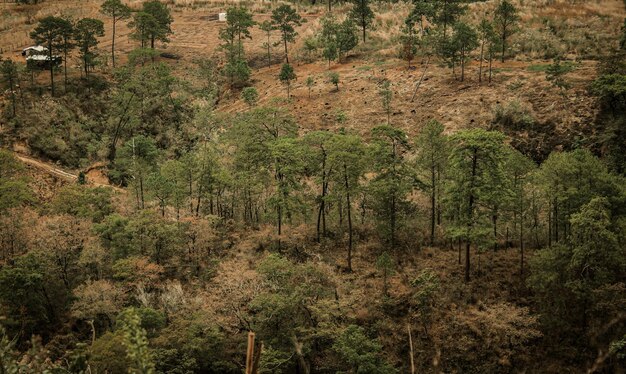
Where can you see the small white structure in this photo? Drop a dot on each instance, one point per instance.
(35, 50)
(222, 17)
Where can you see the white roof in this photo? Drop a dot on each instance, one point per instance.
(37, 48)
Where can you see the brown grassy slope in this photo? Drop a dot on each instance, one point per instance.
(455, 104)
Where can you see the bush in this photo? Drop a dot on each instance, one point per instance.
(513, 116)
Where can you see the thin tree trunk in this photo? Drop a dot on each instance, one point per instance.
(433, 205)
(349, 207)
(503, 44)
(286, 54)
(411, 349)
(470, 214)
(51, 62)
(480, 69)
(113, 42)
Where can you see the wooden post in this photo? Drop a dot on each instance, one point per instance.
(408, 325)
(250, 353)
(257, 359)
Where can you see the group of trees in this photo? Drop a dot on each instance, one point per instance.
(62, 35)
(341, 189)
(453, 40)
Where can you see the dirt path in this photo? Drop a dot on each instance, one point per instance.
(55, 171)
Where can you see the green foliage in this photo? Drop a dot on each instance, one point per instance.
(297, 299)
(10, 81)
(310, 82)
(84, 202)
(447, 13)
(386, 96)
(580, 276)
(238, 72)
(572, 179)
(14, 190)
(432, 155)
(250, 95)
(49, 32)
(360, 353)
(86, 33)
(506, 18)
(192, 342)
(333, 78)
(393, 180)
(238, 24)
(152, 23)
(556, 72)
(514, 116)
(465, 39)
(285, 19)
(137, 159)
(108, 354)
(409, 42)
(286, 75)
(337, 38)
(362, 15)
(385, 264)
(476, 182)
(421, 9)
(427, 286)
(136, 342)
(8, 356)
(23, 294)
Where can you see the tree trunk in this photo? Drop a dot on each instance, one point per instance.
(433, 205)
(65, 66)
(269, 55)
(462, 66)
(480, 68)
(349, 207)
(411, 349)
(470, 214)
(286, 54)
(321, 208)
(494, 219)
(490, 66)
(51, 67)
(503, 44)
(303, 366)
(521, 244)
(113, 42)
(364, 26)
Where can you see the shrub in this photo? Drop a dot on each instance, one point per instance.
(513, 116)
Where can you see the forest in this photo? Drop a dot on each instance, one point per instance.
(358, 186)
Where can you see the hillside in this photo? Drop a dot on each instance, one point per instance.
(441, 192)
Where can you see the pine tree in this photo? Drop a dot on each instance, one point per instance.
(117, 11)
(49, 32)
(362, 15)
(393, 180)
(86, 34)
(285, 19)
(475, 173)
(432, 155)
(506, 18)
(286, 76)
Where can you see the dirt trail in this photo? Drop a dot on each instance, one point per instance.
(62, 174)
